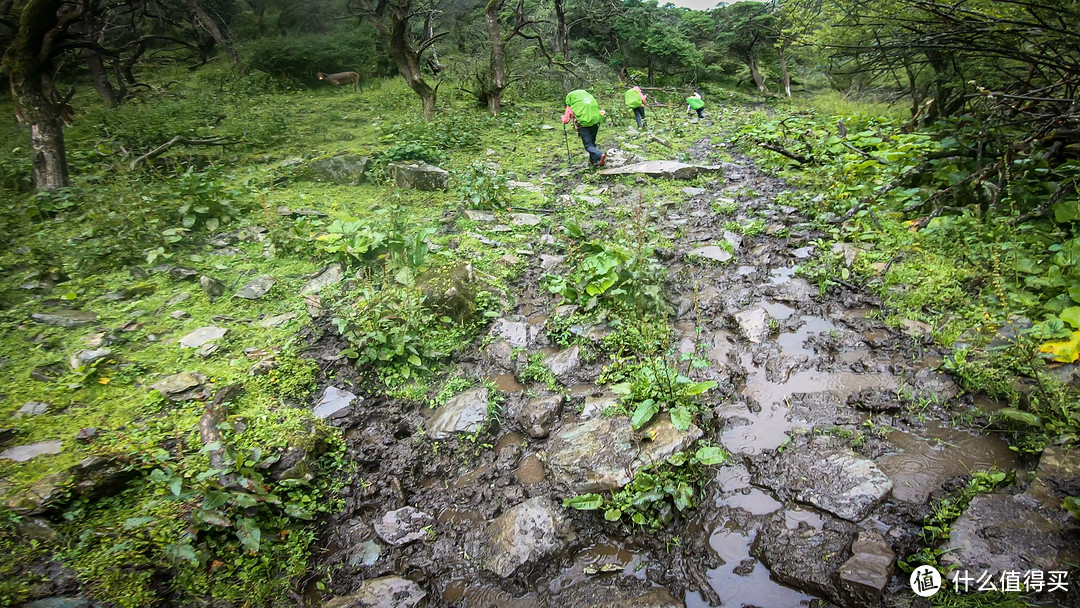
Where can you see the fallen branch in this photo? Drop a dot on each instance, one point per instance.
(799, 158)
(180, 140)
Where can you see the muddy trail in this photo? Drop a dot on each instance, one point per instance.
(840, 430)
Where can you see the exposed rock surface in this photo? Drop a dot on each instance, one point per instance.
(202, 335)
(450, 290)
(344, 169)
(564, 363)
(403, 526)
(211, 286)
(862, 579)
(331, 275)
(256, 288)
(385, 592)
(803, 556)
(539, 414)
(524, 219)
(335, 403)
(602, 454)
(466, 412)
(418, 175)
(525, 533)
(22, 453)
(277, 320)
(667, 169)
(710, 252)
(65, 318)
(84, 358)
(827, 476)
(618, 592)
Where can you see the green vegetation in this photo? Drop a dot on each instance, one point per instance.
(647, 501)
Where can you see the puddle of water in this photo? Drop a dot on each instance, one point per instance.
(610, 554)
(769, 427)
(454, 591)
(468, 480)
(451, 515)
(798, 515)
(791, 343)
(751, 585)
(506, 383)
(581, 390)
(530, 470)
(777, 310)
(779, 276)
(507, 440)
(925, 460)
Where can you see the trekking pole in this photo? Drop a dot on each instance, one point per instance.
(566, 138)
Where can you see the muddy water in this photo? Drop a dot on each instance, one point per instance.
(742, 580)
(923, 461)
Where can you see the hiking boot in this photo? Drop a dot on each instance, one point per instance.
(603, 159)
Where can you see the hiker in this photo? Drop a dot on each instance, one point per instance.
(635, 100)
(586, 114)
(694, 102)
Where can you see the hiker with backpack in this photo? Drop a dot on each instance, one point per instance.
(581, 107)
(635, 100)
(694, 102)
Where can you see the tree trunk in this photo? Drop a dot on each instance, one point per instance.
(562, 35)
(28, 62)
(408, 60)
(498, 50)
(100, 77)
(652, 80)
(783, 67)
(759, 81)
(215, 32)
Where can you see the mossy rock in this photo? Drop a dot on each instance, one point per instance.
(450, 290)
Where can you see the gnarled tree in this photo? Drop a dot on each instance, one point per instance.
(392, 19)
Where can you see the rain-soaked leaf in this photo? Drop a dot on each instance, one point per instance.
(584, 502)
(644, 413)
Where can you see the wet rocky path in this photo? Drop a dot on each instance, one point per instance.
(840, 431)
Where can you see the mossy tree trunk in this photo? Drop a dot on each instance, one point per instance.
(29, 64)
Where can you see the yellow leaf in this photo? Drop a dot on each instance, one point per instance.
(103, 380)
(1065, 351)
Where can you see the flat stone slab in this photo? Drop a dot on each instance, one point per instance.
(828, 476)
(999, 532)
(277, 320)
(403, 526)
(331, 275)
(203, 335)
(334, 403)
(711, 252)
(22, 453)
(416, 175)
(466, 412)
(256, 288)
(602, 454)
(525, 533)
(178, 383)
(525, 219)
(516, 333)
(65, 318)
(864, 577)
(384, 592)
(479, 216)
(753, 324)
(804, 557)
(32, 408)
(668, 169)
(86, 357)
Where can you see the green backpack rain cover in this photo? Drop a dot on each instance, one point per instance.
(695, 102)
(633, 99)
(584, 107)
